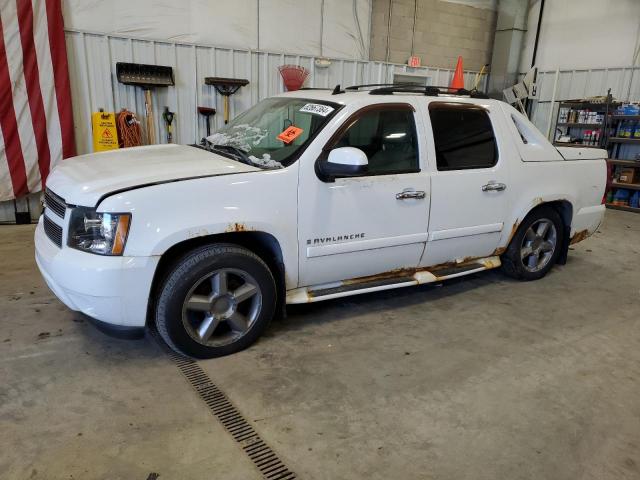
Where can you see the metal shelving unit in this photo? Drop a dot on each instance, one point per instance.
(622, 207)
(578, 125)
(626, 163)
(628, 186)
(603, 108)
(624, 117)
(623, 140)
(614, 146)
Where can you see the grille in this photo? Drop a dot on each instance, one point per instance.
(53, 231)
(263, 457)
(54, 203)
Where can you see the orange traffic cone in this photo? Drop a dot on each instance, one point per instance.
(458, 76)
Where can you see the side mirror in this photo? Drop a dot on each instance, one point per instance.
(342, 162)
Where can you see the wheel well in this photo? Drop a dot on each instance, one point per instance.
(564, 209)
(265, 245)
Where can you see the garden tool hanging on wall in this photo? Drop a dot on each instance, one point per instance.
(207, 113)
(226, 87)
(168, 120)
(293, 76)
(147, 77)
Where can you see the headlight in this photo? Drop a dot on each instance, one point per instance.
(100, 233)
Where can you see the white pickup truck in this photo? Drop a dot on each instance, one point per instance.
(308, 196)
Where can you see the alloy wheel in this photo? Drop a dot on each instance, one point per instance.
(538, 245)
(221, 307)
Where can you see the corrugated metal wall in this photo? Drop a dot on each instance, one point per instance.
(92, 60)
(624, 83)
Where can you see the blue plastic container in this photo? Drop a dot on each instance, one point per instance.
(621, 197)
(634, 201)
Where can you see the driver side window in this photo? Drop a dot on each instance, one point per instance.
(387, 136)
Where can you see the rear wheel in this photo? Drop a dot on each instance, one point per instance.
(217, 300)
(535, 248)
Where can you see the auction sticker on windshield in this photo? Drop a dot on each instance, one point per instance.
(290, 134)
(317, 109)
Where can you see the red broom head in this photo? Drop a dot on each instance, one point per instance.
(293, 76)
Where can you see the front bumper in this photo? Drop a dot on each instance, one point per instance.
(113, 290)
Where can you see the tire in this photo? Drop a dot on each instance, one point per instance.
(543, 245)
(216, 300)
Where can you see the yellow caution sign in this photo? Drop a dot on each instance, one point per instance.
(105, 135)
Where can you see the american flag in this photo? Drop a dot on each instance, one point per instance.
(36, 123)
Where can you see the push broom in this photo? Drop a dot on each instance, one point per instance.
(226, 87)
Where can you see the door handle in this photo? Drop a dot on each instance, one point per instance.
(494, 187)
(406, 194)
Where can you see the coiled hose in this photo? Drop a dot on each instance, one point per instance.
(128, 126)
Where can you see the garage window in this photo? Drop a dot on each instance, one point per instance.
(463, 136)
(387, 135)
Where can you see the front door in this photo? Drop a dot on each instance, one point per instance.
(373, 223)
(468, 184)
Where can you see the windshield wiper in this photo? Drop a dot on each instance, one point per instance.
(235, 152)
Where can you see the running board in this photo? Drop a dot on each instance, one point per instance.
(388, 280)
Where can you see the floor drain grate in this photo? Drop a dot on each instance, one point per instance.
(263, 457)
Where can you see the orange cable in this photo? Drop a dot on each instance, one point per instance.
(128, 127)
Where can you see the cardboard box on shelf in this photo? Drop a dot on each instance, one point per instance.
(627, 175)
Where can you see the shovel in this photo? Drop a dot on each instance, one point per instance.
(147, 77)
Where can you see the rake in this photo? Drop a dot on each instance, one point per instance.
(293, 76)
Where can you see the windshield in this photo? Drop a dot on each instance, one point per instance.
(272, 133)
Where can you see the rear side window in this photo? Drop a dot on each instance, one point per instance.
(463, 136)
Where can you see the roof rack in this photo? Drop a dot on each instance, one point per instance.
(371, 85)
(430, 91)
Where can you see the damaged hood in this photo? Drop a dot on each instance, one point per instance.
(85, 179)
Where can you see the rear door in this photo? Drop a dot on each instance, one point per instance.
(468, 183)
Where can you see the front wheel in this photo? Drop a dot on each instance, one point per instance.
(217, 300)
(536, 245)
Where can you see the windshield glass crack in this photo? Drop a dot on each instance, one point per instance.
(271, 134)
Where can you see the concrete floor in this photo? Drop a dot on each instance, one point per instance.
(481, 378)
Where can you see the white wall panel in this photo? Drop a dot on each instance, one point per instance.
(310, 27)
(340, 28)
(583, 34)
(221, 22)
(229, 23)
(290, 26)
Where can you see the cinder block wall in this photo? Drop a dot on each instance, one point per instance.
(443, 30)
